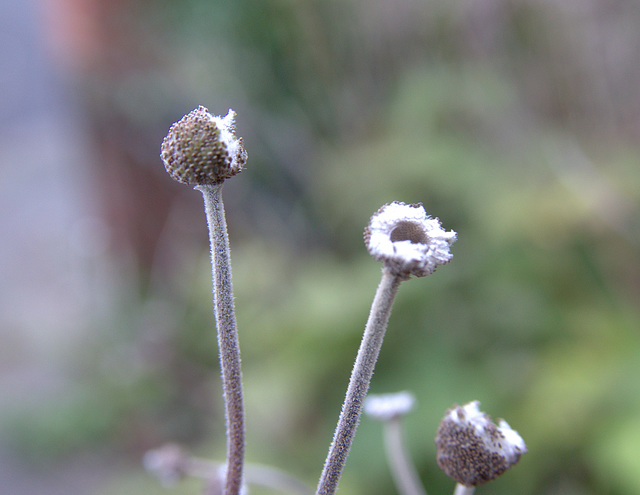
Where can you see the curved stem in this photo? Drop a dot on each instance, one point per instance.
(402, 469)
(228, 344)
(265, 476)
(275, 479)
(359, 382)
(464, 490)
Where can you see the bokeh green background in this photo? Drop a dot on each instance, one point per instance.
(515, 122)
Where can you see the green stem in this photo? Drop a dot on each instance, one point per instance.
(228, 344)
(359, 382)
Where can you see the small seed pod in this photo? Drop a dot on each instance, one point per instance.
(472, 450)
(168, 463)
(202, 149)
(407, 240)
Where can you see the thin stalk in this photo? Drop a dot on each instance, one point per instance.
(464, 490)
(228, 344)
(275, 479)
(265, 476)
(359, 382)
(402, 469)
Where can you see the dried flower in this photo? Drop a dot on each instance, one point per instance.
(168, 463)
(390, 410)
(407, 240)
(202, 149)
(385, 407)
(472, 449)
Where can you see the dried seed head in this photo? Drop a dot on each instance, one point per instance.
(168, 463)
(472, 450)
(385, 407)
(202, 149)
(407, 240)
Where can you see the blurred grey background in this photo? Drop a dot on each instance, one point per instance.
(517, 122)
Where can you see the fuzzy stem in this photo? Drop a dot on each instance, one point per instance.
(464, 490)
(359, 382)
(403, 471)
(228, 344)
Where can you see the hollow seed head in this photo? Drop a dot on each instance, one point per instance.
(407, 240)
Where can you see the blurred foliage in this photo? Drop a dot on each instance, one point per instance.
(492, 114)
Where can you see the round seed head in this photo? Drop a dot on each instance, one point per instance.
(472, 450)
(202, 149)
